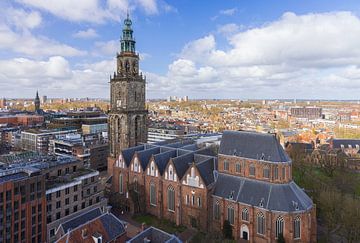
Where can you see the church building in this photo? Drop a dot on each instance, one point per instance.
(247, 184)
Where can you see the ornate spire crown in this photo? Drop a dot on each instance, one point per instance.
(127, 41)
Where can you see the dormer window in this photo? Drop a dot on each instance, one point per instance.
(231, 195)
(261, 204)
(262, 156)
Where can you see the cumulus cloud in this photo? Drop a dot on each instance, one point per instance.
(55, 77)
(92, 11)
(312, 55)
(86, 34)
(228, 29)
(106, 48)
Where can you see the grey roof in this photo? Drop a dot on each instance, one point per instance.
(154, 235)
(191, 147)
(252, 145)
(182, 162)
(112, 225)
(129, 153)
(277, 197)
(13, 177)
(162, 159)
(206, 169)
(346, 142)
(145, 155)
(80, 219)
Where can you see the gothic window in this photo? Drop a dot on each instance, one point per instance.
(152, 194)
(266, 172)
(260, 223)
(193, 200)
(226, 165)
(297, 228)
(171, 173)
(252, 170)
(199, 202)
(217, 210)
(187, 200)
(121, 183)
(245, 214)
(152, 168)
(135, 67)
(276, 172)
(279, 229)
(171, 198)
(231, 215)
(238, 168)
(136, 165)
(283, 172)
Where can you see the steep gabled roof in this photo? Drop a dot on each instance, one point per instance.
(145, 155)
(162, 159)
(206, 170)
(129, 153)
(252, 145)
(182, 162)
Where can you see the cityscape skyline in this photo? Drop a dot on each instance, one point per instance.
(233, 50)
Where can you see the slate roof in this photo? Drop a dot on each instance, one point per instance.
(190, 147)
(206, 170)
(81, 219)
(162, 159)
(129, 153)
(252, 145)
(145, 155)
(154, 235)
(182, 162)
(277, 197)
(106, 225)
(346, 142)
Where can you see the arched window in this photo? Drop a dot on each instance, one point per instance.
(283, 173)
(171, 199)
(279, 229)
(199, 202)
(276, 173)
(121, 183)
(245, 214)
(217, 210)
(266, 172)
(152, 194)
(171, 173)
(238, 168)
(260, 223)
(231, 215)
(297, 227)
(226, 165)
(252, 170)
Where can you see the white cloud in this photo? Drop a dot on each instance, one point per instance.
(86, 34)
(229, 12)
(24, 42)
(92, 11)
(312, 55)
(106, 48)
(228, 29)
(55, 77)
(21, 19)
(150, 6)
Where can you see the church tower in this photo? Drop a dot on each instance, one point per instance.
(37, 103)
(128, 115)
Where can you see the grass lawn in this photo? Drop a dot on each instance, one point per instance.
(162, 224)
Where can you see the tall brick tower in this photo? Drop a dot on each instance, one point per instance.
(128, 115)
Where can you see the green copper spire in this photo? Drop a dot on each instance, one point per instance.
(127, 41)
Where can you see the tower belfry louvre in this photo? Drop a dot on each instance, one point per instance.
(128, 115)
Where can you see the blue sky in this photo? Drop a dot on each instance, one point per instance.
(204, 48)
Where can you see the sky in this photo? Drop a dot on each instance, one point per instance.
(239, 49)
